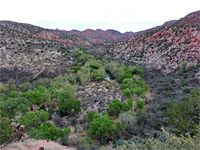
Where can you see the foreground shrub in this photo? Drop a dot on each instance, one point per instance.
(171, 142)
(6, 129)
(185, 116)
(50, 132)
(46, 131)
(174, 142)
(101, 127)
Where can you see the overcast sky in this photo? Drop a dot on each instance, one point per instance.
(121, 15)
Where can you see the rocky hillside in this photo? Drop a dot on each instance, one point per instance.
(165, 49)
(29, 52)
(24, 56)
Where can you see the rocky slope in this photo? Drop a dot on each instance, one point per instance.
(165, 49)
(29, 52)
(26, 57)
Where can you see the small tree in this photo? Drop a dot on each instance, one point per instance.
(69, 107)
(101, 127)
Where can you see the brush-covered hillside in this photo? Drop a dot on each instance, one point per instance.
(61, 90)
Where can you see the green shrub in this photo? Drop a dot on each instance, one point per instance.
(75, 69)
(185, 116)
(50, 132)
(71, 81)
(138, 70)
(46, 131)
(69, 107)
(116, 106)
(127, 92)
(36, 96)
(95, 66)
(124, 76)
(6, 129)
(61, 90)
(101, 127)
(64, 137)
(140, 103)
(90, 117)
(34, 119)
(14, 106)
(13, 94)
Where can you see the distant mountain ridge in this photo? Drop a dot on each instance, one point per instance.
(102, 36)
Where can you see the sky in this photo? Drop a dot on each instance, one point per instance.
(121, 15)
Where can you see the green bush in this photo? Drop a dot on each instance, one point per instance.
(140, 103)
(90, 117)
(124, 76)
(13, 94)
(91, 71)
(95, 66)
(138, 70)
(75, 69)
(185, 116)
(46, 131)
(64, 137)
(60, 89)
(116, 106)
(13, 106)
(36, 96)
(6, 129)
(50, 132)
(101, 127)
(69, 107)
(34, 119)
